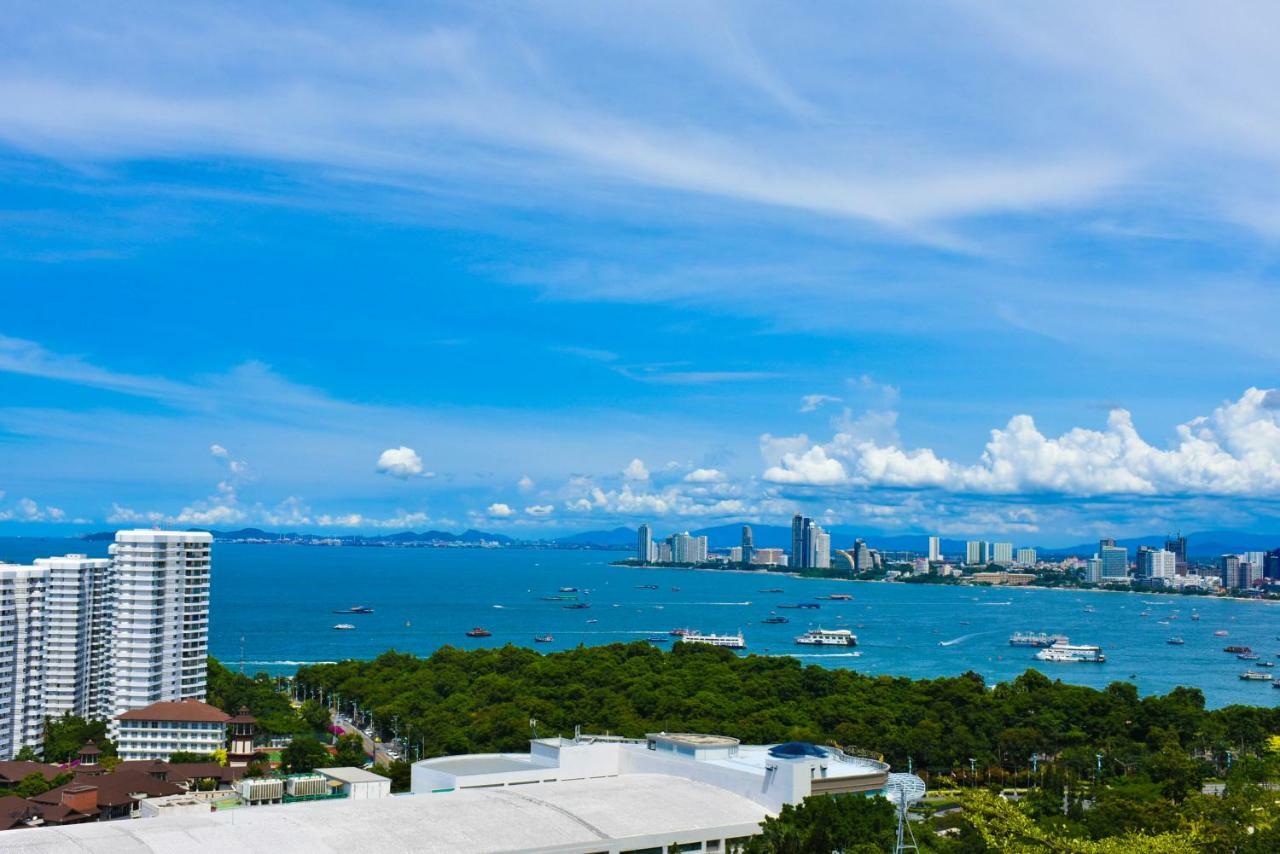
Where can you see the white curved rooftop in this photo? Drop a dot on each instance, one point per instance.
(587, 815)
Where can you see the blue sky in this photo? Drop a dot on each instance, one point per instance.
(802, 262)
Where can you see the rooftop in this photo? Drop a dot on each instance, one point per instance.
(696, 739)
(187, 711)
(568, 816)
(352, 775)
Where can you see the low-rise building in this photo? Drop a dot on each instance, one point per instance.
(161, 729)
(357, 783)
(1009, 579)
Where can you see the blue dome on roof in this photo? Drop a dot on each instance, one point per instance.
(796, 750)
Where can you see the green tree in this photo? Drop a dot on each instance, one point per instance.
(188, 756)
(27, 754)
(853, 824)
(350, 750)
(65, 735)
(315, 716)
(399, 772)
(303, 754)
(31, 785)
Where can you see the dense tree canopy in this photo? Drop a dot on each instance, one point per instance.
(65, 735)
(230, 691)
(481, 700)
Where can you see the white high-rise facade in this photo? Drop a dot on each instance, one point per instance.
(821, 549)
(1026, 557)
(22, 626)
(77, 636)
(935, 548)
(160, 619)
(96, 637)
(1001, 553)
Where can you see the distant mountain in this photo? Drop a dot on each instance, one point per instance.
(615, 538)
(1203, 545)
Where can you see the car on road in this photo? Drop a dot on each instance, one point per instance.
(392, 754)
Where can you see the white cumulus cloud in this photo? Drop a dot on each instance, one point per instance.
(498, 510)
(402, 462)
(539, 510)
(704, 476)
(635, 470)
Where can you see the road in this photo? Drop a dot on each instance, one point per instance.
(377, 750)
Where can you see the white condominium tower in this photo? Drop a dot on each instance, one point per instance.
(22, 627)
(160, 617)
(77, 635)
(97, 637)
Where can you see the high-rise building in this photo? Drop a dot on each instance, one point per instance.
(1002, 553)
(842, 560)
(77, 676)
(935, 548)
(1271, 565)
(821, 548)
(644, 544)
(1257, 565)
(770, 557)
(1229, 571)
(688, 549)
(975, 553)
(1115, 559)
(862, 557)
(748, 546)
(798, 526)
(22, 637)
(1156, 563)
(664, 551)
(1026, 557)
(1178, 545)
(1093, 570)
(159, 617)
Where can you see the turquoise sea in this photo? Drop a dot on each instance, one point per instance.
(276, 602)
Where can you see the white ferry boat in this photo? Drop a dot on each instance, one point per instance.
(344, 627)
(728, 641)
(1255, 676)
(1072, 653)
(828, 637)
(1039, 639)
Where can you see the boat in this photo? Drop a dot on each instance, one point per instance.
(1248, 656)
(1175, 641)
(1038, 640)
(1266, 664)
(837, 597)
(355, 609)
(1195, 616)
(727, 641)
(771, 590)
(775, 619)
(577, 606)
(1220, 633)
(658, 639)
(646, 587)
(570, 590)
(543, 638)
(1089, 609)
(812, 606)
(828, 637)
(678, 633)
(1255, 676)
(592, 620)
(478, 632)
(675, 589)
(1237, 649)
(559, 598)
(1072, 654)
(344, 627)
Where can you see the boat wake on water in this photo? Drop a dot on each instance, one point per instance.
(963, 638)
(816, 655)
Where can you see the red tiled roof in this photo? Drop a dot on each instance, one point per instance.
(177, 710)
(14, 770)
(14, 810)
(114, 789)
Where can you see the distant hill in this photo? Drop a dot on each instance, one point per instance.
(614, 538)
(1204, 544)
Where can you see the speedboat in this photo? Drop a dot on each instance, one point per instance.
(592, 620)
(1175, 641)
(774, 618)
(479, 632)
(355, 609)
(568, 590)
(577, 606)
(543, 638)
(678, 633)
(1220, 633)
(658, 639)
(344, 627)
(646, 587)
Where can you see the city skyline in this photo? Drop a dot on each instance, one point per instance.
(559, 270)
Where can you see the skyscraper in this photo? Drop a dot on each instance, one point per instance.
(1093, 570)
(821, 548)
(644, 543)
(935, 548)
(1229, 571)
(1026, 557)
(160, 617)
(975, 553)
(1002, 553)
(1156, 563)
(22, 636)
(862, 559)
(1115, 559)
(77, 664)
(1178, 545)
(748, 546)
(798, 526)
(1271, 565)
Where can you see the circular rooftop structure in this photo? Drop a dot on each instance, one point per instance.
(796, 750)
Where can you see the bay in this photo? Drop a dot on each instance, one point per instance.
(273, 607)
